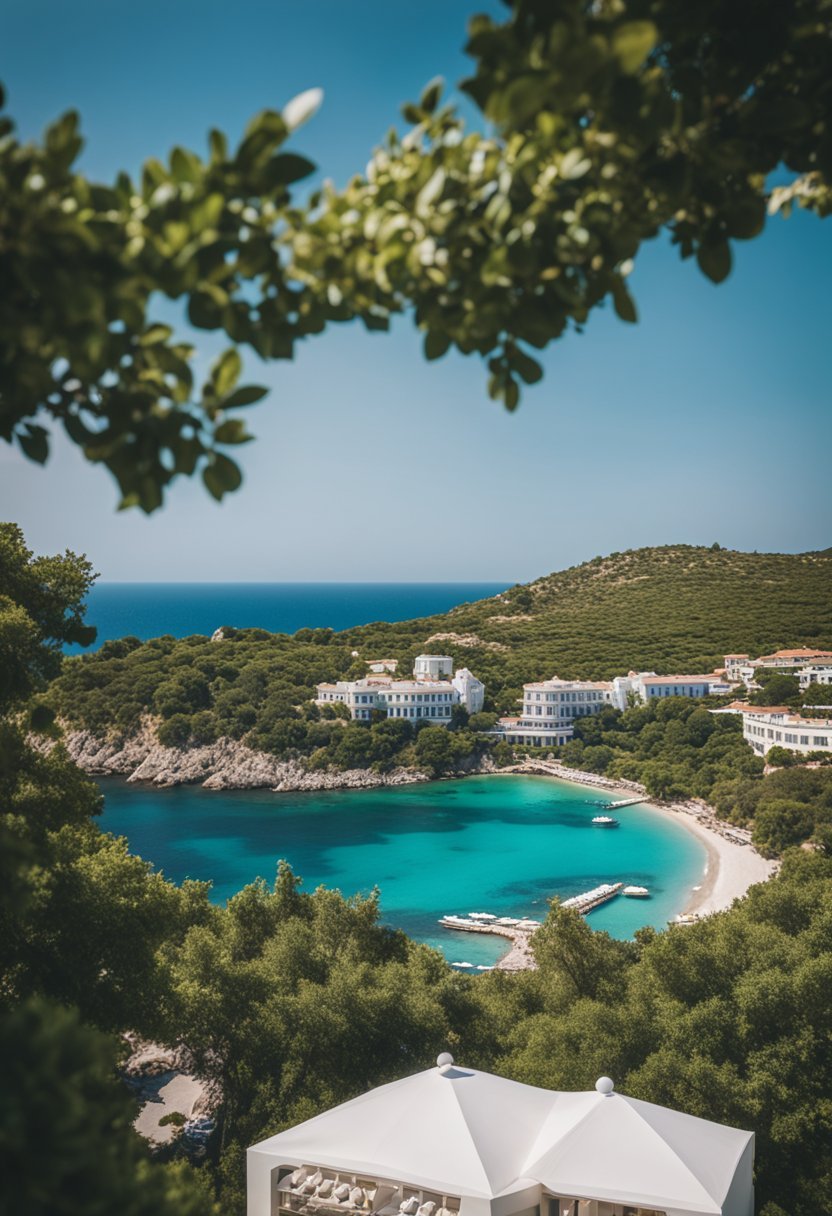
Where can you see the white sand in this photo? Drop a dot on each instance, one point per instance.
(177, 1092)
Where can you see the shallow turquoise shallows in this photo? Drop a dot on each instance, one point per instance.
(499, 844)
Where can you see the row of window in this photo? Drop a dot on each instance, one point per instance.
(593, 695)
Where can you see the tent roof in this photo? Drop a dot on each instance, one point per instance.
(462, 1132)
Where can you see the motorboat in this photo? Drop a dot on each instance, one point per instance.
(636, 892)
(604, 821)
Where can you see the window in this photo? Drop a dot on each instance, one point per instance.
(804, 739)
(821, 741)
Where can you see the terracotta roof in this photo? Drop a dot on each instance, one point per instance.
(736, 656)
(767, 709)
(801, 653)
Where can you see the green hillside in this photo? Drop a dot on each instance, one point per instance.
(671, 609)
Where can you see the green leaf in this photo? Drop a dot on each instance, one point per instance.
(623, 302)
(34, 441)
(511, 396)
(436, 344)
(288, 167)
(268, 122)
(226, 372)
(527, 368)
(714, 259)
(221, 476)
(411, 113)
(219, 146)
(185, 165)
(249, 394)
(746, 218)
(155, 334)
(431, 94)
(233, 430)
(632, 43)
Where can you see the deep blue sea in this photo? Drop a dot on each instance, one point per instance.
(149, 610)
(502, 844)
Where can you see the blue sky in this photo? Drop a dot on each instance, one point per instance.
(710, 420)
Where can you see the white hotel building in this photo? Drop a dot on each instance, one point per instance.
(765, 727)
(551, 706)
(429, 696)
(802, 662)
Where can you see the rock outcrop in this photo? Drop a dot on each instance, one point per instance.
(224, 765)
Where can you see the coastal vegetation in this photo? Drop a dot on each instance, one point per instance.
(607, 126)
(291, 1001)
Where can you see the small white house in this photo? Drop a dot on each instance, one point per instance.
(457, 1142)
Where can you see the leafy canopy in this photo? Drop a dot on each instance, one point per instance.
(609, 123)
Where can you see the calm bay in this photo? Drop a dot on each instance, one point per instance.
(502, 844)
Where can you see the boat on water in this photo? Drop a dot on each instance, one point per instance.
(604, 821)
(636, 892)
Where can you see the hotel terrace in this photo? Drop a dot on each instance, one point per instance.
(453, 1141)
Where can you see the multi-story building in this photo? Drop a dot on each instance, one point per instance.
(646, 686)
(815, 673)
(550, 707)
(425, 697)
(740, 667)
(768, 726)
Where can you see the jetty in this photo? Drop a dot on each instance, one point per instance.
(609, 806)
(519, 930)
(594, 898)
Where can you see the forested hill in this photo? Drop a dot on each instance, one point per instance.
(670, 609)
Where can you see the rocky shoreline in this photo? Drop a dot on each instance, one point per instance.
(224, 765)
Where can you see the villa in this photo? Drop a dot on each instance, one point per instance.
(430, 696)
(741, 668)
(453, 1141)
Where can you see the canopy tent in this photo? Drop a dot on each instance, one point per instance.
(483, 1138)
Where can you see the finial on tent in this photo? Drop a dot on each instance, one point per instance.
(605, 1086)
(445, 1061)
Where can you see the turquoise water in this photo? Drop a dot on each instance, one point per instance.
(148, 610)
(482, 844)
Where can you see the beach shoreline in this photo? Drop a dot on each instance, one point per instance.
(732, 863)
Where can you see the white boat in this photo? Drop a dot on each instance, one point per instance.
(482, 916)
(635, 892)
(604, 821)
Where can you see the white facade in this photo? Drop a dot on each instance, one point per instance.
(798, 662)
(765, 727)
(471, 690)
(424, 698)
(412, 699)
(433, 667)
(815, 673)
(549, 709)
(452, 1141)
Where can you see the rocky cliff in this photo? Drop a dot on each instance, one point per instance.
(224, 765)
